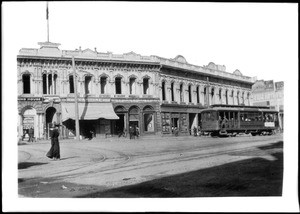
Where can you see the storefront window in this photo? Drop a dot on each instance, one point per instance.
(165, 122)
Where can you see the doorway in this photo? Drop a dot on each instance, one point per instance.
(50, 119)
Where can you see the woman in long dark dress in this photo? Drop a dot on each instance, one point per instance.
(54, 152)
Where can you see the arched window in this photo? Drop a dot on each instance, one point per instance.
(118, 85)
(26, 83)
(172, 91)
(181, 92)
(132, 85)
(71, 84)
(190, 93)
(212, 96)
(44, 83)
(163, 88)
(198, 94)
(50, 84)
(54, 83)
(243, 98)
(205, 96)
(103, 81)
(87, 84)
(248, 98)
(146, 85)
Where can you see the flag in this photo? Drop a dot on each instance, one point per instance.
(47, 12)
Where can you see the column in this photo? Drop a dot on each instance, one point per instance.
(20, 126)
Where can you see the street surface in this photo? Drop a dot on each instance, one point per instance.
(91, 167)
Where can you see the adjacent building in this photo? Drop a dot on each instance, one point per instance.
(116, 91)
(269, 93)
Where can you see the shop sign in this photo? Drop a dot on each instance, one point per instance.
(269, 124)
(30, 98)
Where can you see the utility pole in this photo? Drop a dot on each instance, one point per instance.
(76, 100)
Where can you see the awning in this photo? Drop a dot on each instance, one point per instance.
(88, 111)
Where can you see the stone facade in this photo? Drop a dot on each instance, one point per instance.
(269, 93)
(144, 91)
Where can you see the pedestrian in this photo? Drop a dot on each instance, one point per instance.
(131, 132)
(30, 133)
(54, 152)
(176, 131)
(137, 132)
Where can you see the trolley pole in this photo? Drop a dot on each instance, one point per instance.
(76, 100)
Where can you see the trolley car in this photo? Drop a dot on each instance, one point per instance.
(225, 120)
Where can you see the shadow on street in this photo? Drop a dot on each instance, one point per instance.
(252, 177)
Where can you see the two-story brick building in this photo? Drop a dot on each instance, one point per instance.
(116, 91)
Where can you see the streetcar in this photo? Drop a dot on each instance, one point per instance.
(230, 120)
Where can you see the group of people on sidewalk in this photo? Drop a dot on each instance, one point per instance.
(30, 134)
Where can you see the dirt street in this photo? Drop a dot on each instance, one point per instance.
(96, 166)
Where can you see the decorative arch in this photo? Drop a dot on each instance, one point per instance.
(180, 58)
(146, 77)
(57, 107)
(148, 108)
(132, 76)
(118, 76)
(134, 110)
(120, 108)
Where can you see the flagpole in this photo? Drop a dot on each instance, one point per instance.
(76, 100)
(47, 17)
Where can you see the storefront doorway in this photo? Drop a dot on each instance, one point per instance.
(134, 117)
(29, 122)
(51, 117)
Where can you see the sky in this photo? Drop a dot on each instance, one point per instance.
(261, 40)
(258, 39)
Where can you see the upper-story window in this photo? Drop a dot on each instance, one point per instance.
(220, 95)
(238, 97)
(190, 93)
(103, 82)
(87, 84)
(181, 92)
(71, 84)
(163, 88)
(205, 96)
(49, 83)
(26, 83)
(146, 85)
(212, 96)
(172, 91)
(132, 85)
(248, 98)
(198, 94)
(118, 85)
(243, 98)
(226, 97)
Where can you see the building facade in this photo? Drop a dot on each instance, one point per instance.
(268, 93)
(116, 91)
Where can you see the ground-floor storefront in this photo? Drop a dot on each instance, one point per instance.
(179, 119)
(96, 119)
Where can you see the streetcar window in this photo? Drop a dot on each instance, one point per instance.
(242, 116)
(213, 115)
